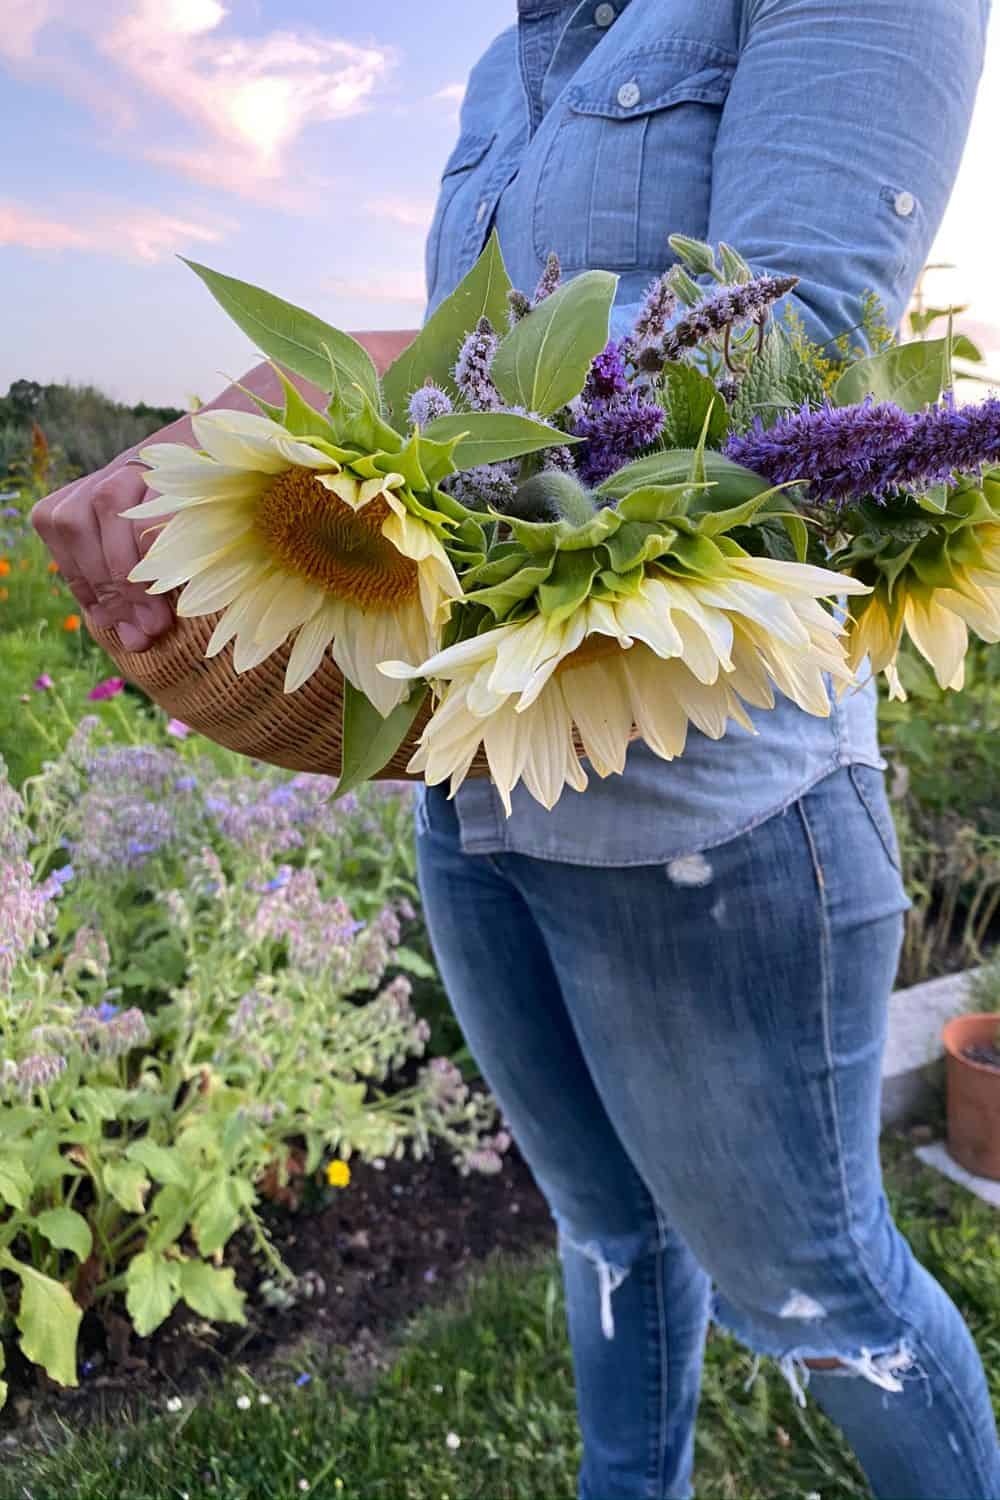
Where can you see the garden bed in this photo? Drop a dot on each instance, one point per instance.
(394, 1241)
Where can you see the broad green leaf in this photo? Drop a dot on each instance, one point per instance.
(489, 437)
(171, 1210)
(543, 361)
(798, 533)
(151, 1290)
(733, 483)
(414, 963)
(48, 1319)
(15, 1184)
(297, 415)
(911, 375)
(128, 1185)
(432, 355)
(219, 1216)
(687, 398)
(501, 597)
(161, 1162)
(212, 1293)
(292, 336)
(635, 543)
(67, 1230)
(368, 741)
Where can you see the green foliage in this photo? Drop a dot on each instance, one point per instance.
(912, 375)
(84, 428)
(432, 354)
(487, 437)
(782, 377)
(294, 337)
(369, 740)
(687, 396)
(545, 358)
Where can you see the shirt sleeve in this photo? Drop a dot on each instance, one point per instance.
(839, 145)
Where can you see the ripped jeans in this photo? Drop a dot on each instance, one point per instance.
(689, 1059)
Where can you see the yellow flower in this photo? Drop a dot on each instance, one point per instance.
(338, 1174)
(677, 650)
(934, 616)
(282, 537)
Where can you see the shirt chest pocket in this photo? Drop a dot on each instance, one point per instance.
(459, 177)
(628, 158)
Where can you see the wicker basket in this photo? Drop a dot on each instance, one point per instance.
(250, 712)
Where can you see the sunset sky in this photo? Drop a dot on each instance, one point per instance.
(296, 144)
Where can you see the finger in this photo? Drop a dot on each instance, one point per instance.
(43, 520)
(123, 544)
(77, 524)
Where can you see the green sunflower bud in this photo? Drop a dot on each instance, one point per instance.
(552, 496)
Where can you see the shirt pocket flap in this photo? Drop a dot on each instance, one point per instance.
(469, 152)
(642, 82)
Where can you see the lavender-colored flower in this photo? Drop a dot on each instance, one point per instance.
(616, 431)
(838, 451)
(657, 309)
(38, 1072)
(549, 280)
(185, 783)
(42, 683)
(473, 366)
(606, 377)
(26, 913)
(14, 836)
(106, 1011)
(178, 729)
(124, 1032)
(943, 442)
(745, 302)
(559, 460)
(88, 955)
(10, 510)
(426, 403)
(486, 487)
(444, 1084)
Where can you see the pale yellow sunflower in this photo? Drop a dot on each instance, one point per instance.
(284, 537)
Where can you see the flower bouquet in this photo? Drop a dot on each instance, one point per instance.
(528, 544)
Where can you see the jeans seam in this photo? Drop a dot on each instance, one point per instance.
(664, 1372)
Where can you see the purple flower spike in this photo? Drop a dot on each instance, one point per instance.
(549, 280)
(472, 368)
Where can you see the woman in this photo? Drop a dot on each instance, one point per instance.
(676, 982)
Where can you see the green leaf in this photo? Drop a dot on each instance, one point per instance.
(414, 963)
(500, 598)
(432, 355)
(912, 375)
(734, 484)
(48, 1319)
(67, 1230)
(151, 1290)
(368, 741)
(294, 337)
(15, 1184)
(163, 1163)
(297, 415)
(687, 397)
(488, 437)
(171, 1210)
(543, 361)
(798, 534)
(568, 585)
(128, 1185)
(219, 1216)
(212, 1293)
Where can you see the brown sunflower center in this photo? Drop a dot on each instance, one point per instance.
(591, 648)
(318, 536)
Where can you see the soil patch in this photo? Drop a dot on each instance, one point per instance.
(366, 1257)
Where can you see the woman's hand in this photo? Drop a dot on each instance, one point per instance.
(96, 547)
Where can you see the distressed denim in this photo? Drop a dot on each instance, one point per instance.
(818, 138)
(689, 1057)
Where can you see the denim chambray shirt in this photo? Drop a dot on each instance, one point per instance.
(817, 138)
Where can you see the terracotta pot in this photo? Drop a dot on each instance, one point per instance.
(973, 1096)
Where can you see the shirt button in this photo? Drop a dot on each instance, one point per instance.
(604, 15)
(904, 204)
(629, 94)
(481, 211)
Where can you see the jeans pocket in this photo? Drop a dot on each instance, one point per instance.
(869, 783)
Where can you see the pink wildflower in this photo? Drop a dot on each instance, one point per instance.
(109, 688)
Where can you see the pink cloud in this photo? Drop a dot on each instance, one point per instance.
(147, 236)
(239, 104)
(412, 213)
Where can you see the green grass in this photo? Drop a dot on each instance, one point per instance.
(493, 1369)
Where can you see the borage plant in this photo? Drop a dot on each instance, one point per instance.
(569, 540)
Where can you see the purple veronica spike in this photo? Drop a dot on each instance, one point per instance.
(428, 402)
(472, 368)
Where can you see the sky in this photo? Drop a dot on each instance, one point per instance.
(294, 143)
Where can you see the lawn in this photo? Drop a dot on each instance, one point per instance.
(474, 1402)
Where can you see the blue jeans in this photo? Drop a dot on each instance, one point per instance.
(689, 1058)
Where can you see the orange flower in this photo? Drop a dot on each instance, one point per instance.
(4, 595)
(4, 567)
(53, 567)
(71, 622)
